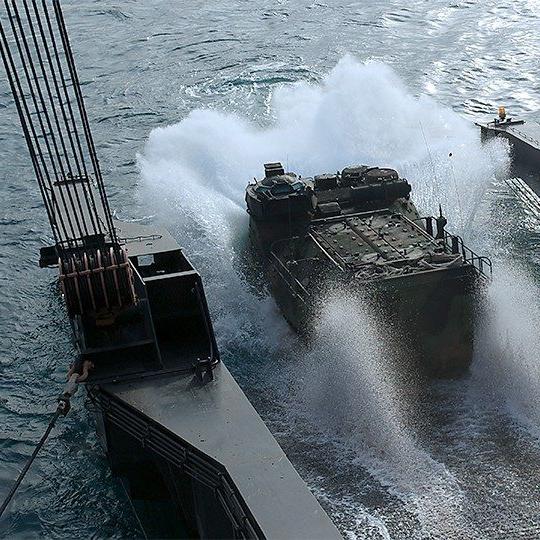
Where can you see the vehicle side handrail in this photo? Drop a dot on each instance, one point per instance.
(455, 244)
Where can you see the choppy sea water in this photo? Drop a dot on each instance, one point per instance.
(187, 100)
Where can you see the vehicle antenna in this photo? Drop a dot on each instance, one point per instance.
(435, 171)
(428, 151)
(458, 197)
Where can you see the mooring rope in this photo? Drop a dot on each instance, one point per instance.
(28, 464)
(64, 405)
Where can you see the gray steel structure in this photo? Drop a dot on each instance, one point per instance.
(524, 137)
(176, 428)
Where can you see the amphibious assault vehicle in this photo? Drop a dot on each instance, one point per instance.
(358, 231)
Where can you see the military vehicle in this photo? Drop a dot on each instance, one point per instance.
(357, 231)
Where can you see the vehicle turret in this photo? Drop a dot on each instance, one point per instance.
(280, 195)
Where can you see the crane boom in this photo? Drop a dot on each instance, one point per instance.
(40, 68)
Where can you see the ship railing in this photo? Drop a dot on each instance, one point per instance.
(296, 288)
(140, 238)
(481, 263)
(524, 136)
(182, 458)
(455, 244)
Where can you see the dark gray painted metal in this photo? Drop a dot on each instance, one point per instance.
(524, 136)
(211, 432)
(201, 425)
(219, 422)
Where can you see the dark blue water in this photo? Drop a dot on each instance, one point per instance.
(235, 84)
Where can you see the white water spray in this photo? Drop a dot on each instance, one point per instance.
(196, 171)
(508, 358)
(352, 394)
(359, 113)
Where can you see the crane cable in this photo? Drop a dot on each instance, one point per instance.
(64, 405)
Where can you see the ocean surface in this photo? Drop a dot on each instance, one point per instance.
(187, 100)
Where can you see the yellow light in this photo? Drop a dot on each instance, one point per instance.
(502, 113)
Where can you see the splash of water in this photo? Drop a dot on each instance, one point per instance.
(359, 113)
(507, 368)
(196, 171)
(350, 389)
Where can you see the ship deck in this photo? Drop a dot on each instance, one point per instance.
(218, 420)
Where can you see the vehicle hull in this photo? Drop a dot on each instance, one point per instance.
(431, 314)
